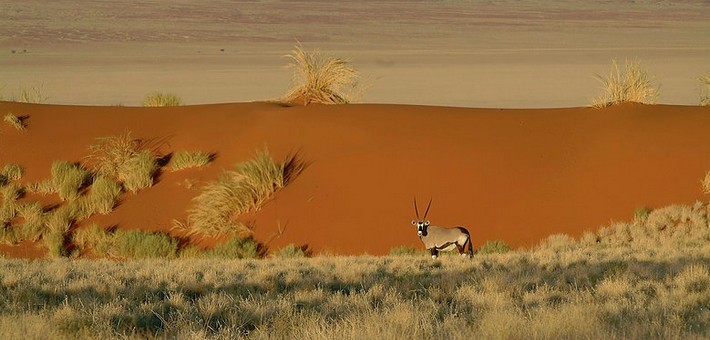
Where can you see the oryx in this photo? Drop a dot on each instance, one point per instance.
(438, 239)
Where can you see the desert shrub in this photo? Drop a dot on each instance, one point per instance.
(124, 159)
(185, 159)
(12, 172)
(236, 248)
(68, 179)
(92, 236)
(291, 251)
(705, 90)
(158, 99)
(238, 192)
(103, 195)
(494, 247)
(58, 224)
(320, 79)
(632, 84)
(14, 121)
(138, 244)
(138, 171)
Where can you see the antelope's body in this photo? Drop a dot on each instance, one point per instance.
(438, 239)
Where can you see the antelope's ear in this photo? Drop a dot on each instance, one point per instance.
(414, 222)
(427, 223)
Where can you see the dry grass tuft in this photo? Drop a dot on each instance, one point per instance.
(68, 179)
(186, 159)
(124, 159)
(705, 90)
(320, 79)
(158, 99)
(14, 121)
(12, 172)
(632, 84)
(241, 191)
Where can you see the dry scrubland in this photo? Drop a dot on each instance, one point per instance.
(649, 278)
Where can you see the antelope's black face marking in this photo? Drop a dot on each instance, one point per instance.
(421, 227)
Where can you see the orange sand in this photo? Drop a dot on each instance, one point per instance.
(515, 175)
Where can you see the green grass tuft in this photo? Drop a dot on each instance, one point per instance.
(494, 247)
(239, 192)
(632, 84)
(291, 251)
(103, 195)
(236, 248)
(14, 121)
(185, 159)
(138, 244)
(320, 79)
(158, 99)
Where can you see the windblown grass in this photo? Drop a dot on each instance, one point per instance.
(14, 121)
(632, 84)
(320, 79)
(494, 247)
(705, 90)
(186, 159)
(137, 173)
(158, 99)
(103, 195)
(241, 191)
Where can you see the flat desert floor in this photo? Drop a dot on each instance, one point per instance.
(509, 54)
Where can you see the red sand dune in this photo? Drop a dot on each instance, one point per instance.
(516, 175)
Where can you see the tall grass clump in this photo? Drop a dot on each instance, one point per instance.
(705, 90)
(186, 159)
(123, 158)
(630, 84)
(158, 99)
(240, 191)
(320, 79)
(68, 179)
(12, 172)
(138, 244)
(14, 121)
(103, 195)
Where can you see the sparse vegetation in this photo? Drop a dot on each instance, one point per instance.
(705, 90)
(186, 159)
(68, 179)
(320, 79)
(158, 99)
(137, 173)
(291, 251)
(238, 192)
(14, 121)
(632, 84)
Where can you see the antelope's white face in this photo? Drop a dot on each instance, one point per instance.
(421, 227)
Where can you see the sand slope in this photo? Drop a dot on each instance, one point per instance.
(516, 175)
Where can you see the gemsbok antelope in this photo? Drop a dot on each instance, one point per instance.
(438, 239)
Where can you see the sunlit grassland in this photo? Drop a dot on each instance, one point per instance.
(648, 278)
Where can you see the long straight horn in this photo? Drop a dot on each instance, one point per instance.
(415, 208)
(427, 209)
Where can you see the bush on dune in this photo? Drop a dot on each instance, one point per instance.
(14, 121)
(705, 90)
(123, 158)
(158, 99)
(186, 159)
(241, 191)
(632, 84)
(320, 79)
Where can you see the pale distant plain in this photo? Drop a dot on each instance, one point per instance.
(512, 54)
